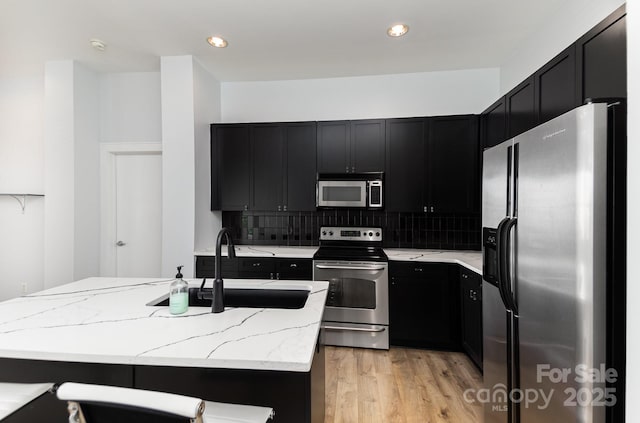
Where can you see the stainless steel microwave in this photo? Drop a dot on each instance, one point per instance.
(355, 190)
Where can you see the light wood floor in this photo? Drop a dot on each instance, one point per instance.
(400, 385)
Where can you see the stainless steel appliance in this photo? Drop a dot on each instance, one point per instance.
(354, 190)
(553, 290)
(357, 308)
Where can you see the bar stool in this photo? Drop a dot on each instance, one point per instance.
(16, 396)
(89, 403)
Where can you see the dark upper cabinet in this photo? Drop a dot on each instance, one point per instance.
(263, 166)
(521, 108)
(334, 142)
(367, 145)
(493, 123)
(601, 57)
(453, 165)
(555, 85)
(351, 146)
(231, 174)
(300, 186)
(267, 142)
(405, 164)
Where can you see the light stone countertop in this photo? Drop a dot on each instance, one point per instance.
(470, 259)
(106, 320)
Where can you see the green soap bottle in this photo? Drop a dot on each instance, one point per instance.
(178, 295)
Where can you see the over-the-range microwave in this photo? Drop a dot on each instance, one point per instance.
(353, 190)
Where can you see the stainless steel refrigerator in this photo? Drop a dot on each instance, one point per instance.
(553, 271)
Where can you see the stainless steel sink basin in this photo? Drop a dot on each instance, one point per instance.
(293, 298)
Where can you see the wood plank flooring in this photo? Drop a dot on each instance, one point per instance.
(402, 385)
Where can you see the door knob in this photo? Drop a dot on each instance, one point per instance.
(121, 244)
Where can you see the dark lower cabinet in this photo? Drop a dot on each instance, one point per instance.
(424, 305)
(471, 314)
(256, 268)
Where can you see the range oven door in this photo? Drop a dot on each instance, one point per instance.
(358, 291)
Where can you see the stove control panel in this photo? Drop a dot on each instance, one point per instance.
(332, 233)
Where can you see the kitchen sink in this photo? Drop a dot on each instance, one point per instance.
(245, 297)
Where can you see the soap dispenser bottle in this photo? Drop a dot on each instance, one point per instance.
(178, 295)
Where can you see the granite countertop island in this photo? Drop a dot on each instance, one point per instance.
(101, 330)
(106, 320)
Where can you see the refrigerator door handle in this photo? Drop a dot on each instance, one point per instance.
(505, 265)
(500, 249)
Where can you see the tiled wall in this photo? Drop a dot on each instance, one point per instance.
(401, 230)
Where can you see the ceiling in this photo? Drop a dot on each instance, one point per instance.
(268, 39)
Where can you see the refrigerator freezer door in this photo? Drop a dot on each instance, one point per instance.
(494, 349)
(560, 263)
(495, 186)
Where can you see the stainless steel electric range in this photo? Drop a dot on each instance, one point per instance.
(357, 309)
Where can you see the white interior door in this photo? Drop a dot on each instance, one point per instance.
(138, 203)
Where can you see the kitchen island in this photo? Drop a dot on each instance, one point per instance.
(101, 330)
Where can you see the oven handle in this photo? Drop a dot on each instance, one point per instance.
(354, 329)
(325, 266)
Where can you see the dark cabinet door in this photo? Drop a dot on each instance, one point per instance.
(602, 59)
(333, 147)
(555, 86)
(300, 185)
(423, 305)
(453, 177)
(367, 145)
(256, 268)
(471, 301)
(206, 267)
(493, 123)
(405, 167)
(268, 171)
(521, 108)
(234, 167)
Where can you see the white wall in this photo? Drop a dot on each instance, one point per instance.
(130, 107)
(401, 95)
(633, 211)
(21, 171)
(572, 20)
(178, 169)
(72, 212)
(86, 173)
(207, 109)
(59, 148)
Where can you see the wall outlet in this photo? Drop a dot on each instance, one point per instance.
(24, 288)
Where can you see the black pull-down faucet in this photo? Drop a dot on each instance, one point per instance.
(217, 305)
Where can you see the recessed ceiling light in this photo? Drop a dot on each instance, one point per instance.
(397, 30)
(97, 44)
(217, 41)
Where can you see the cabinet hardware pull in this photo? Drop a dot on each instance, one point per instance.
(324, 266)
(418, 269)
(355, 329)
(293, 265)
(271, 275)
(256, 265)
(278, 275)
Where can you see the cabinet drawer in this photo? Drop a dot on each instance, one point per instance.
(298, 269)
(206, 267)
(417, 269)
(257, 268)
